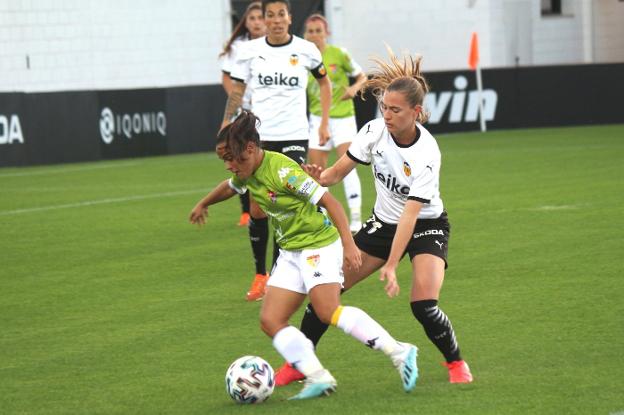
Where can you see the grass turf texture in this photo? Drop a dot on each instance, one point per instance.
(112, 303)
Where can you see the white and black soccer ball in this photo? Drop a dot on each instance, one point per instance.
(250, 379)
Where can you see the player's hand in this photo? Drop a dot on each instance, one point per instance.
(388, 274)
(323, 133)
(352, 256)
(349, 93)
(313, 171)
(198, 215)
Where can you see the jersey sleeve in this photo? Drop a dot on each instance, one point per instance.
(237, 185)
(361, 147)
(423, 187)
(296, 182)
(226, 63)
(316, 66)
(350, 66)
(228, 60)
(240, 68)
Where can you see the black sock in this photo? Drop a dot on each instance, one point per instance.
(437, 327)
(259, 237)
(311, 326)
(244, 201)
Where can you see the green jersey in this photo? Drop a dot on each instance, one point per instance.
(288, 196)
(340, 66)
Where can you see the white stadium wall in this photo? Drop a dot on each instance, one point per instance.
(511, 32)
(607, 20)
(55, 45)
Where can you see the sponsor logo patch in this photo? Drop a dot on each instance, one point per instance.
(307, 187)
(407, 169)
(429, 232)
(283, 172)
(313, 260)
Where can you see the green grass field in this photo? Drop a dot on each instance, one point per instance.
(111, 303)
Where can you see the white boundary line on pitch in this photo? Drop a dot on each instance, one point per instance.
(556, 207)
(67, 170)
(100, 202)
(43, 170)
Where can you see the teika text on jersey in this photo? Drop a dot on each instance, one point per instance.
(278, 79)
(391, 182)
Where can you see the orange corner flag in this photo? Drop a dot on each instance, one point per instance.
(473, 58)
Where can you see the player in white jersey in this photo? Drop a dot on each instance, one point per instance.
(275, 69)
(409, 215)
(251, 26)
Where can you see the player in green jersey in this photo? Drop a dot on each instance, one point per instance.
(340, 67)
(311, 255)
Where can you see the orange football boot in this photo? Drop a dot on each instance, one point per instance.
(244, 219)
(459, 372)
(287, 374)
(258, 288)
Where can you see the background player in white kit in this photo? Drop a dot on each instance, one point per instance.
(251, 26)
(275, 69)
(408, 216)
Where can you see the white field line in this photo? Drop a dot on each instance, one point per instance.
(556, 207)
(44, 172)
(100, 202)
(543, 208)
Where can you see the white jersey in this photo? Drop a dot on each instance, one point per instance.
(227, 62)
(401, 172)
(277, 77)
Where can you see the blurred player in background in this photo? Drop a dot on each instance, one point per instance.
(408, 216)
(340, 67)
(275, 70)
(251, 26)
(311, 258)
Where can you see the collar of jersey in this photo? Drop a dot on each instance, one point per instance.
(266, 39)
(410, 144)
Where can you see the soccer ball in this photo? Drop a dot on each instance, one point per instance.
(249, 379)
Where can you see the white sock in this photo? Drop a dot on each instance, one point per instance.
(297, 350)
(360, 325)
(353, 194)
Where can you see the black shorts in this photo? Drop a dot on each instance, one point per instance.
(295, 149)
(430, 236)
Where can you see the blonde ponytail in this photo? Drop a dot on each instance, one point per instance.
(401, 75)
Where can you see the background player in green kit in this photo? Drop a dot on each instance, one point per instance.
(311, 255)
(340, 66)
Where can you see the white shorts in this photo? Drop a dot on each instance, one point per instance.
(341, 131)
(300, 271)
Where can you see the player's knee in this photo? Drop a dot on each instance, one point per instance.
(269, 325)
(421, 309)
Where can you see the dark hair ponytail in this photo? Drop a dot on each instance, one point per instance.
(239, 133)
